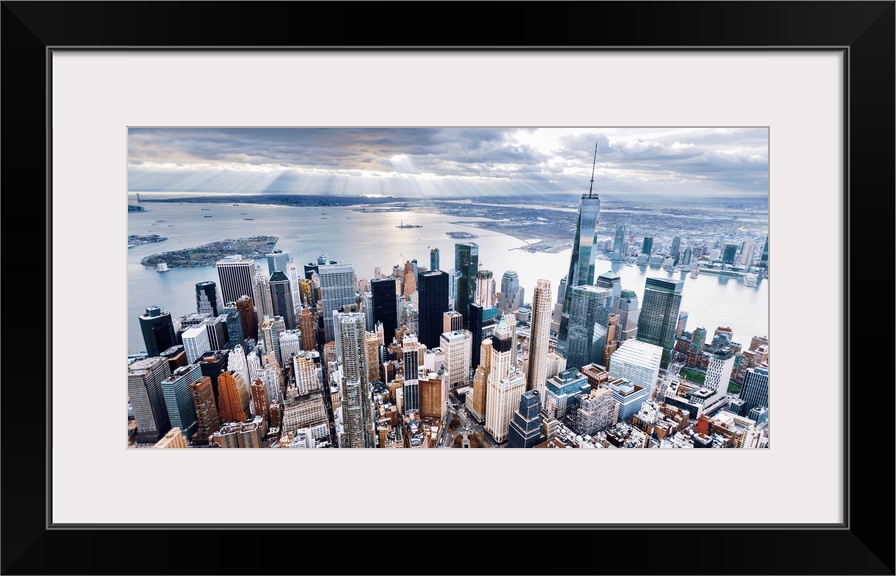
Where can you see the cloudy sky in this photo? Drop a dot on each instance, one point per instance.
(459, 162)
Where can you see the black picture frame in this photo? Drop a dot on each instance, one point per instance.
(864, 544)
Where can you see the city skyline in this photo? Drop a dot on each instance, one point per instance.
(350, 348)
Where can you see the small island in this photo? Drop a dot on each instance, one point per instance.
(461, 235)
(134, 208)
(208, 254)
(137, 239)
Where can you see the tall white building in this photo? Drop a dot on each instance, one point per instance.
(306, 373)
(458, 349)
(196, 343)
(485, 289)
(718, 372)
(539, 337)
(261, 295)
(290, 344)
(236, 362)
(337, 288)
(506, 383)
(637, 362)
(236, 278)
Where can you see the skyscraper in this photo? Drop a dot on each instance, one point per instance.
(589, 315)
(629, 312)
(729, 253)
(647, 245)
(207, 298)
(755, 389)
(511, 293)
(619, 244)
(385, 305)
(506, 383)
(466, 267)
(480, 382)
(307, 327)
(158, 330)
(261, 295)
(176, 391)
(432, 293)
(337, 288)
(659, 314)
(282, 299)
(525, 428)
(233, 397)
(235, 277)
(584, 252)
(208, 421)
(434, 259)
(539, 336)
(234, 325)
(675, 250)
(196, 343)
(356, 411)
(248, 319)
(147, 399)
(763, 259)
(485, 289)
(410, 363)
(457, 347)
(277, 261)
(611, 281)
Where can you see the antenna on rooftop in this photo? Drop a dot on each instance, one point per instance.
(591, 188)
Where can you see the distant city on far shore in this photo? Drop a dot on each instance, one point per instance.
(448, 288)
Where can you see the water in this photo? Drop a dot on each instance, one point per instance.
(372, 239)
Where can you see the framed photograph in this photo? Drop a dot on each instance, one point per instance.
(118, 85)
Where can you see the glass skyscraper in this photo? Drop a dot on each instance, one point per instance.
(282, 299)
(581, 264)
(525, 427)
(432, 291)
(658, 318)
(588, 317)
(158, 330)
(466, 268)
(619, 244)
(385, 306)
(337, 288)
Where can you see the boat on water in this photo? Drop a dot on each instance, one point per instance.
(159, 220)
(248, 218)
(206, 216)
(750, 280)
(206, 209)
(162, 267)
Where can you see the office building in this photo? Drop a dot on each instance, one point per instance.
(282, 300)
(306, 372)
(581, 264)
(432, 293)
(647, 246)
(261, 401)
(611, 281)
(207, 419)
(480, 383)
(337, 289)
(729, 254)
(560, 388)
(629, 396)
(506, 383)
(261, 295)
(173, 439)
(269, 334)
(763, 259)
(638, 362)
(236, 278)
(277, 261)
(307, 326)
(385, 305)
(158, 330)
(147, 398)
(433, 387)
(196, 343)
(233, 397)
(718, 371)
(178, 402)
(410, 363)
(589, 413)
(356, 409)
(539, 337)
(755, 388)
(208, 301)
(619, 243)
(290, 345)
(434, 259)
(512, 293)
(308, 411)
(452, 321)
(457, 347)
(248, 318)
(485, 289)
(466, 269)
(589, 317)
(675, 250)
(525, 427)
(658, 317)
